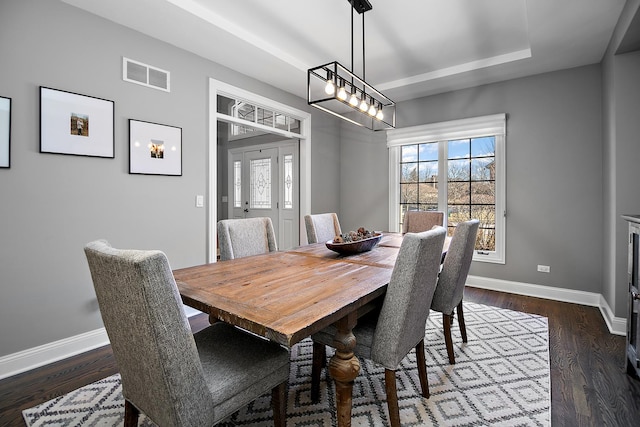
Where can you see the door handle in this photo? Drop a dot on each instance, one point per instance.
(246, 210)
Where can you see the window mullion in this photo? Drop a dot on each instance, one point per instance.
(443, 179)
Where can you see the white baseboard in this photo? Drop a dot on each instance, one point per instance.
(36, 357)
(616, 325)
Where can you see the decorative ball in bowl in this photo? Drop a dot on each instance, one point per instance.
(354, 242)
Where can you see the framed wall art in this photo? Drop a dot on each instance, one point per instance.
(154, 149)
(5, 132)
(76, 124)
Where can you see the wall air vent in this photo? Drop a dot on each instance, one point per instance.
(145, 75)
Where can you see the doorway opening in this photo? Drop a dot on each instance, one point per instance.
(243, 122)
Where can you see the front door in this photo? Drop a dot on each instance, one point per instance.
(263, 182)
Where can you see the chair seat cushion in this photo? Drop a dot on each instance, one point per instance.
(239, 366)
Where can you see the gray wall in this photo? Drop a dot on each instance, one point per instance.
(621, 154)
(364, 184)
(52, 205)
(554, 173)
(627, 163)
(622, 146)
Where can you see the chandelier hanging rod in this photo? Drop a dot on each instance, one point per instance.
(339, 91)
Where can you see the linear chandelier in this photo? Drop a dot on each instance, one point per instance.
(339, 91)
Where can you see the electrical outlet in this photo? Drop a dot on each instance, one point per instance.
(544, 268)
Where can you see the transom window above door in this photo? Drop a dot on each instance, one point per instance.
(253, 114)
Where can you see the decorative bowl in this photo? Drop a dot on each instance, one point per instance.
(356, 247)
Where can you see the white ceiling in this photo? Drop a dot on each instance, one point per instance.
(413, 47)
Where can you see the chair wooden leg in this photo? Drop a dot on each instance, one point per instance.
(131, 414)
(279, 404)
(463, 327)
(319, 360)
(392, 397)
(446, 322)
(422, 369)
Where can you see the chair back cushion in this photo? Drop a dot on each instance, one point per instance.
(402, 320)
(455, 269)
(417, 221)
(150, 335)
(240, 238)
(322, 227)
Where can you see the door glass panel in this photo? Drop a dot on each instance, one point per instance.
(237, 184)
(288, 181)
(260, 182)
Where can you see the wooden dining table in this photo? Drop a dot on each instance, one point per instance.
(288, 296)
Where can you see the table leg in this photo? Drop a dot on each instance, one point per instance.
(344, 367)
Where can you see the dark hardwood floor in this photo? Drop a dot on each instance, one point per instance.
(589, 384)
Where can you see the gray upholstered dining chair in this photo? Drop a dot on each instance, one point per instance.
(388, 335)
(417, 221)
(174, 377)
(243, 237)
(322, 227)
(450, 289)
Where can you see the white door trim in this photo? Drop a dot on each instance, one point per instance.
(217, 87)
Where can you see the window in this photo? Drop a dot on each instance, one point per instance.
(456, 167)
(250, 119)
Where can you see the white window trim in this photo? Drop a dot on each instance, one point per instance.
(455, 129)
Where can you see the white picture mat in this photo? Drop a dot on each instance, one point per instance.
(56, 108)
(140, 160)
(5, 130)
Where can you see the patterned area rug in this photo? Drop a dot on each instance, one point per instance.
(501, 378)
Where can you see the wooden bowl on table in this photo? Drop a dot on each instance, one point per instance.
(356, 247)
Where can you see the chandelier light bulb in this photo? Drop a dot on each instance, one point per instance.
(363, 105)
(353, 100)
(330, 88)
(372, 110)
(342, 94)
(380, 116)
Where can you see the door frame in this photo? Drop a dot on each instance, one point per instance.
(216, 88)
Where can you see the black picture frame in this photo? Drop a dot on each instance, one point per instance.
(76, 124)
(154, 148)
